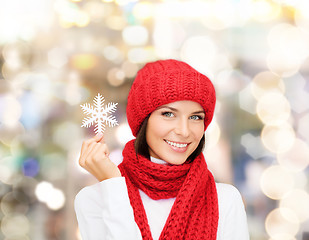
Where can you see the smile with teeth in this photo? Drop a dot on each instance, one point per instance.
(179, 145)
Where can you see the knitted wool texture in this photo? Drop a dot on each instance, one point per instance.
(194, 214)
(167, 81)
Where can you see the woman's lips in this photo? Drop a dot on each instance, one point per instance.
(178, 147)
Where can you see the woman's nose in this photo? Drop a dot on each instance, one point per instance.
(182, 127)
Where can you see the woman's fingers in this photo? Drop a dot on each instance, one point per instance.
(99, 164)
(97, 138)
(94, 155)
(101, 139)
(94, 158)
(88, 145)
(86, 153)
(103, 166)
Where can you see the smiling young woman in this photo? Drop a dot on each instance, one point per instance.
(163, 188)
(174, 131)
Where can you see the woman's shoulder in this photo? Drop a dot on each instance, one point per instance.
(228, 195)
(225, 189)
(92, 196)
(88, 196)
(88, 191)
(230, 203)
(232, 215)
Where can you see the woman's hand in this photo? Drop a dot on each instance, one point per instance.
(94, 158)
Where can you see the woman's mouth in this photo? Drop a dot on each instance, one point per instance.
(177, 145)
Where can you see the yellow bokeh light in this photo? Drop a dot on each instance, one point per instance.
(297, 157)
(124, 2)
(21, 20)
(265, 11)
(265, 82)
(16, 55)
(5, 173)
(82, 19)
(115, 77)
(113, 54)
(199, 52)
(298, 201)
(96, 11)
(282, 236)
(84, 61)
(281, 221)
(11, 133)
(276, 181)
(141, 55)
(71, 15)
(301, 15)
(184, 9)
(221, 14)
(15, 225)
(129, 69)
(10, 111)
(135, 35)
(279, 138)
(143, 10)
(273, 108)
(8, 204)
(7, 168)
(115, 22)
(285, 66)
(287, 3)
(289, 48)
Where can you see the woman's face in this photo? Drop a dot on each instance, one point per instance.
(174, 131)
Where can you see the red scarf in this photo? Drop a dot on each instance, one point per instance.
(194, 214)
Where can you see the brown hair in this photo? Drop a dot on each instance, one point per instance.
(141, 146)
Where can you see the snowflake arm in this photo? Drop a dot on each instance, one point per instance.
(112, 121)
(87, 108)
(87, 122)
(99, 114)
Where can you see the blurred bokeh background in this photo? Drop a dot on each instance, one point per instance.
(58, 54)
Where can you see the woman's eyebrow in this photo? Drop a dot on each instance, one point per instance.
(171, 108)
(198, 112)
(176, 110)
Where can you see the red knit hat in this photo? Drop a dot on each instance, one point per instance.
(166, 81)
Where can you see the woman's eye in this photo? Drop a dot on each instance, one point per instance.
(168, 114)
(197, 117)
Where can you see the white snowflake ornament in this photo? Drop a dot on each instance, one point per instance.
(99, 114)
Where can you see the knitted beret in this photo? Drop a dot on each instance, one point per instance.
(166, 81)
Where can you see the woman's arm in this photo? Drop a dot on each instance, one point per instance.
(104, 212)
